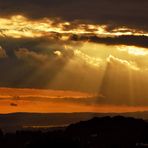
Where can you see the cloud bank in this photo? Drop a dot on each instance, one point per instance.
(96, 46)
(114, 12)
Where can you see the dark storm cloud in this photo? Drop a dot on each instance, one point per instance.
(44, 63)
(141, 41)
(31, 62)
(113, 12)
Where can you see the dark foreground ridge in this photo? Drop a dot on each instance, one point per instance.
(25, 121)
(103, 132)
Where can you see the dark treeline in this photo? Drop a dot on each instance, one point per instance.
(105, 132)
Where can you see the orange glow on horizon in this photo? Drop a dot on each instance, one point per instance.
(9, 105)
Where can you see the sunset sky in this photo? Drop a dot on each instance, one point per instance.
(73, 55)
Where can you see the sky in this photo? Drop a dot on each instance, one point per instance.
(94, 51)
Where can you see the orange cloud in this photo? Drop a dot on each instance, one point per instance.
(19, 26)
(11, 100)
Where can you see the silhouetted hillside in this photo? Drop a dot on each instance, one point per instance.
(103, 132)
(117, 132)
(42, 121)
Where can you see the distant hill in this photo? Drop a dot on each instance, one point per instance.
(98, 132)
(19, 121)
(111, 132)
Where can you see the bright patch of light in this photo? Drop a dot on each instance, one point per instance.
(88, 59)
(19, 26)
(133, 50)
